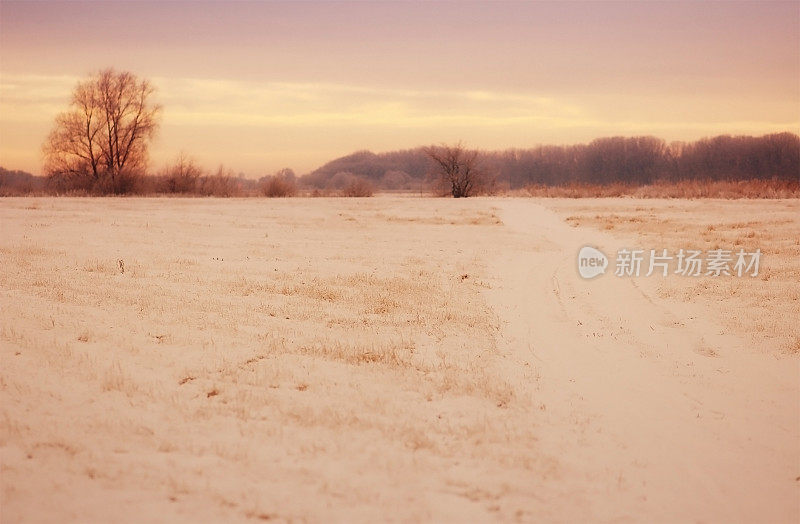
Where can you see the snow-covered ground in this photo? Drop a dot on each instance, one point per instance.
(394, 358)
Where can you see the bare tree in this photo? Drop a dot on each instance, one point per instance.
(101, 141)
(182, 176)
(457, 168)
(358, 187)
(281, 184)
(224, 183)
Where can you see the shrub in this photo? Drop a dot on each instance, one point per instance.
(281, 184)
(222, 184)
(358, 187)
(182, 176)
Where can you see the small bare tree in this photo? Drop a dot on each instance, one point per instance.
(457, 168)
(358, 187)
(222, 184)
(101, 141)
(281, 184)
(182, 176)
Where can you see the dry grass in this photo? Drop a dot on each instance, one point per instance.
(682, 189)
(742, 304)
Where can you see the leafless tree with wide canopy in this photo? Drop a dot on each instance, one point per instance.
(101, 142)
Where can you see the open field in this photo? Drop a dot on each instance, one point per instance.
(394, 358)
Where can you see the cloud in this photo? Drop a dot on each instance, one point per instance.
(222, 102)
(213, 102)
(26, 98)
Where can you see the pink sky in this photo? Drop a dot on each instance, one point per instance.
(259, 86)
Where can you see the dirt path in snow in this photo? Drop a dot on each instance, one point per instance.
(654, 412)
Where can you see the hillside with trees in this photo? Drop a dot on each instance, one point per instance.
(614, 160)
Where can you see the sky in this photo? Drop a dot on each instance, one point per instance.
(259, 86)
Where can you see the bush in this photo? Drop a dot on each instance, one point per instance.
(279, 185)
(181, 177)
(358, 187)
(222, 184)
(124, 182)
(350, 185)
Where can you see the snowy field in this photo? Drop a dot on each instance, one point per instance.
(396, 358)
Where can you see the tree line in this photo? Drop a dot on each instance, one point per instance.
(614, 160)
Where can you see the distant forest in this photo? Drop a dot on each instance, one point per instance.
(20, 182)
(632, 161)
(635, 161)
